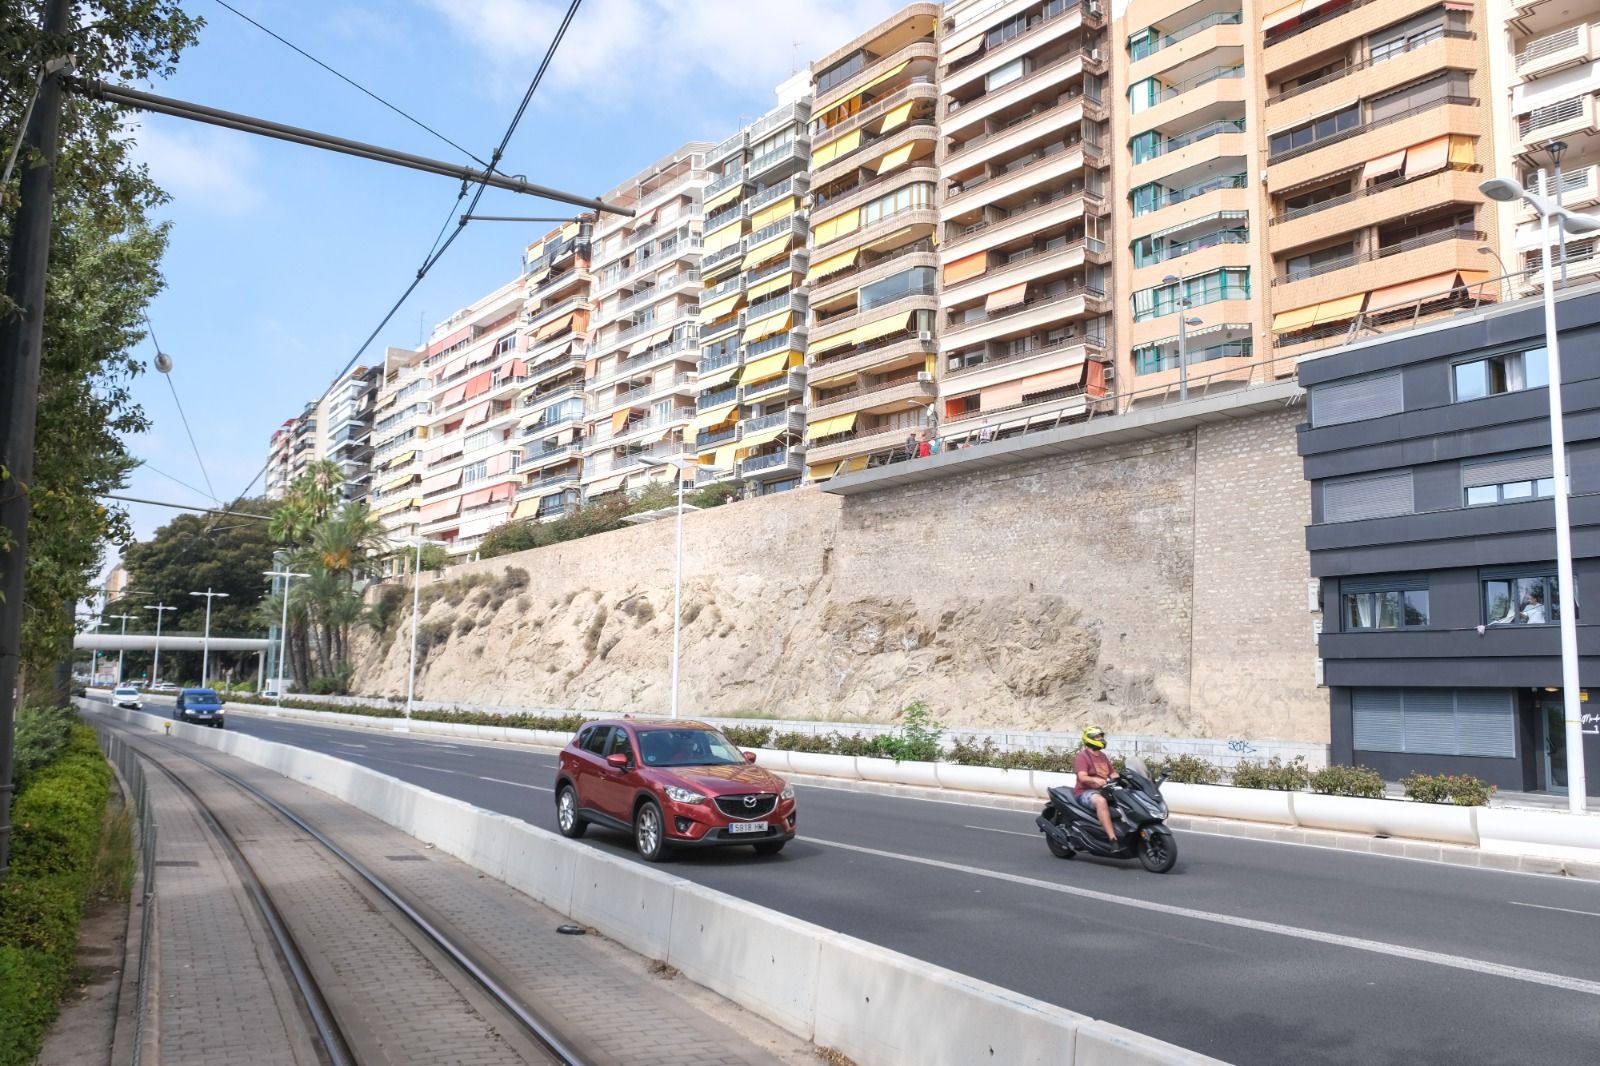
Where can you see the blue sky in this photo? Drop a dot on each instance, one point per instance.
(284, 258)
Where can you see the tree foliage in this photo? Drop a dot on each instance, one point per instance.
(598, 516)
(104, 258)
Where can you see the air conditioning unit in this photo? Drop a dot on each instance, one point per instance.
(1095, 55)
(1109, 372)
(925, 336)
(923, 375)
(1092, 7)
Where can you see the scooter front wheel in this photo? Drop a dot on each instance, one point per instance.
(1158, 852)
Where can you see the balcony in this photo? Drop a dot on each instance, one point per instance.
(1026, 265)
(1031, 314)
(885, 396)
(872, 147)
(1020, 175)
(921, 48)
(1052, 75)
(1015, 134)
(639, 397)
(727, 181)
(545, 484)
(919, 298)
(717, 362)
(1561, 119)
(1335, 27)
(712, 261)
(794, 338)
(728, 394)
(1148, 48)
(1167, 145)
(536, 457)
(1464, 233)
(797, 150)
(1410, 45)
(785, 462)
(1055, 24)
(797, 185)
(710, 438)
(920, 254)
(896, 351)
(771, 388)
(793, 419)
(1553, 51)
(856, 442)
(1374, 204)
(656, 422)
(729, 147)
(673, 284)
(788, 301)
(963, 375)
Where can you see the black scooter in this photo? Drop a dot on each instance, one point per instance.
(1137, 810)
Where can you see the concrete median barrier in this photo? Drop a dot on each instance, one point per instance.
(819, 765)
(1104, 1044)
(889, 772)
(626, 901)
(1558, 834)
(1377, 817)
(1222, 801)
(1044, 780)
(987, 779)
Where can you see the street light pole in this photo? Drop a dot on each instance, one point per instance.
(1556, 148)
(205, 641)
(161, 610)
(1184, 322)
(1504, 190)
(120, 651)
(283, 629)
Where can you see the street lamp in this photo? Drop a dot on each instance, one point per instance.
(1184, 322)
(205, 641)
(416, 605)
(1556, 148)
(1504, 190)
(677, 580)
(125, 618)
(283, 630)
(161, 610)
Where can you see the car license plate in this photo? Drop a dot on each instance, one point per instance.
(748, 827)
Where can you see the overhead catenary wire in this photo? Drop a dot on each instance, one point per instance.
(167, 373)
(351, 82)
(177, 481)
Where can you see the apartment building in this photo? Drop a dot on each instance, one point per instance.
(346, 410)
(1291, 168)
(279, 461)
(1025, 213)
(399, 427)
(873, 303)
(644, 334)
(749, 419)
(1548, 64)
(557, 311)
(308, 441)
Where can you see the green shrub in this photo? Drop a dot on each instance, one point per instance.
(1462, 789)
(1348, 781)
(388, 609)
(42, 734)
(749, 736)
(1185, 769)
(1291, 776)
(434, 633)
(812, 742)
(591, 636)
(56, 824)
(916, 739)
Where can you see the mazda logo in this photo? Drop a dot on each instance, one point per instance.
(750, 801)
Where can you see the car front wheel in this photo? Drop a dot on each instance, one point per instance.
(650, 833)
(568, 820)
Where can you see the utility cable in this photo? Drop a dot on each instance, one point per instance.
(352, 82)
(210, 491)
(176, 481)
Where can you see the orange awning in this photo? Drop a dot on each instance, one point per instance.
(550, 329)
(1010, 393)
(1007, 297)
(971, 266)
(478, 414)
(476, 498)
(453, 397)
(966, 48)
(1414, 291)
(620, 419)
(1280, 16)
(1389, 163)
(479, 384)
(1428, 156)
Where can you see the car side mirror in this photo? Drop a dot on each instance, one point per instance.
(749, 756)
(618, 761)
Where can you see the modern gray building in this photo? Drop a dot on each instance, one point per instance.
(1433, 538)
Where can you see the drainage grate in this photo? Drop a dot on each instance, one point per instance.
(178, 862)
(406, 858)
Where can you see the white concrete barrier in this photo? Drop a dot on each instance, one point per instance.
(819, 765)
(1224, 801)
(985, 779)
(889, 772)
(1045, 780)
(1559, 834)
(773, 759)
(1104, 1044)
(626, 901)
(1392, 818)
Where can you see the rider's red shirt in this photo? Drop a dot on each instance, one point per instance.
(1089, 761)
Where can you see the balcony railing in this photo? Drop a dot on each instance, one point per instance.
(1234, 235)
(537, 456)
(1025, 163)
(607, 375)
(1409, 45)
(677, 414)
(1183, 33)
(547, 482)
(1167, 145)
(1053, 10)
(786, 265)
(1154, 364)
(1367, 127)
(1032, 303)
(717, 362)
(727, 181)
(793, 380)
(958, 365)
(1279, 36)
(799, 148)
(641, 392)
(660, 289)
(786, 301)
(1066, 100)
(1560, 41)
(1455, 233)
(537, 398)
(1364, 191)
(714, 399)
(783, 457)
(794, 338)
(712, 260)
(708, 438)
(1551, 115)
(1168, 197)
(794, 185)
(1206, 77)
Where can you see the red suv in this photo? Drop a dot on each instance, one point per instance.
(670, 784)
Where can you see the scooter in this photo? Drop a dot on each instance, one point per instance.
(1137, 810)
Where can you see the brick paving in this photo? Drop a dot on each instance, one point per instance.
(395, 1003)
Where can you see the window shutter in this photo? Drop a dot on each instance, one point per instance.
(1353, 401)
(1429, 717)
(1375, 715)
(1500, 471)
(1486, 723)
(1370, 497)
(1400, 582)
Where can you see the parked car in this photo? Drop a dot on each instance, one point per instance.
(201, 706)
(671, 785)
(125, 696)
(163, 686)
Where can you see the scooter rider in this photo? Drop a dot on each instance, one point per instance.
(1094, 771)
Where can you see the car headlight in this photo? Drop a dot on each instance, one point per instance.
(683, 795)
(787, 793)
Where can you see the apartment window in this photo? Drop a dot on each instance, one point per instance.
(1311, 77)
(1144, 43)
(841, 72)
(480, 440)
(1146, 198)
(1146, 146)
(1524, 477)
(1528, 599)
(913, 282)
(1358, 400)
(1357, 498)
(505, 344)
(1385, 603)
(1320, 129)
(1320, 261)
(475, 471)
(1506, 372)
(918, 194)
(1010, 28)
(777, 142)
(1454, 83)
(1000, 77)
(1412, 33)
(1316, 196)
(1226, 284)
(1144, 94)
(1426, 721)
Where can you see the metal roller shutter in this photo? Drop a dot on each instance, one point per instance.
(1500, 471)
(1367, 497)
(1353, 401)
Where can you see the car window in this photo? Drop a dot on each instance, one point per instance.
(597, 740)
(621, 744)
(687, 747)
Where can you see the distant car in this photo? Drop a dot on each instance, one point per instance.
(125, 696)
(671, 785)
(202, 706)
(163, 686)
(81, 691)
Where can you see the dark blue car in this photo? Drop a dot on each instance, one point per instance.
(202, 706)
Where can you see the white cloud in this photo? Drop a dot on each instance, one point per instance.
(208, 169)
(621, 51)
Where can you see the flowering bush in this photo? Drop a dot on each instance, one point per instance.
(1462, 789)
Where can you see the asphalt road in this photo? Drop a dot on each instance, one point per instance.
(1251, 951)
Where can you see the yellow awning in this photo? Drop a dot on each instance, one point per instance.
(570, 230)
(725, 457)
(827, 427)
(620, 419)
(397, 483)
(394, 508)
(883, 327)
(773, 212)
(841, 340)
(896, 159)
(833, 265)
(1279, 17)
(525, 508)
(771, 285)
(765, 436)
(763, 328)
(1327, 311)
(726, 237)
(711, 416)
(387, 402)
(766, 253)
(957, 52)
(836, 227)
(712, 311)
(885, 76)
(719, 376)
(401, 459)
(538, 276)
(726, 196)
(768, 366)
(897, 117)
(851, 465)
(827, 153)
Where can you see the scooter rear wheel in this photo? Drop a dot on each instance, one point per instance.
(1158, 852)
(1056, 849)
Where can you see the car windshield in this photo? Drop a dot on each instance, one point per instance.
(686, 747)
(127, 690)
(202, 695)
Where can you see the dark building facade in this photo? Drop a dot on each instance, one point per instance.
(1433, 539)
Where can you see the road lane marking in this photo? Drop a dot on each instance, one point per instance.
(516, 784)
(1376, 947)
(1564, 910)
(1008, 832)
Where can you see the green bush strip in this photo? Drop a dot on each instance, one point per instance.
(56, 825)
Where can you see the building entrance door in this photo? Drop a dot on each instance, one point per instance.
(1555, 746)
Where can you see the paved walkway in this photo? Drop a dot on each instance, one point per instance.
(218, 997)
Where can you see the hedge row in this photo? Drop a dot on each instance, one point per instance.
(56, 824)
(562, 723)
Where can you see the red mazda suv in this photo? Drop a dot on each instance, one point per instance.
(671, 784)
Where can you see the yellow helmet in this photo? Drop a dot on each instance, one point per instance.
(1094, 737)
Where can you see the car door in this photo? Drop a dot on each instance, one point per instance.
(616, 787)
(590, 762)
